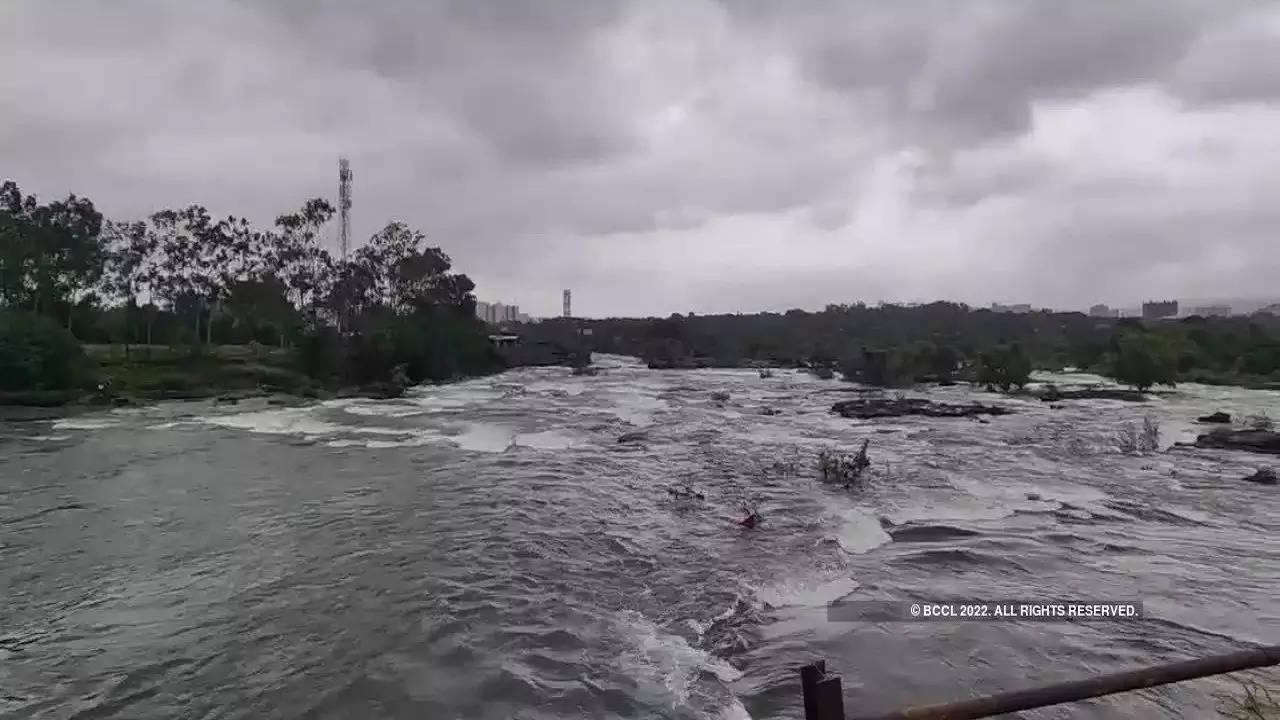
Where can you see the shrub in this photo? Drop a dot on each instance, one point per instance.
(1134, 441)
(36, 353)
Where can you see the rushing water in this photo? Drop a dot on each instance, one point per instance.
(490, 550)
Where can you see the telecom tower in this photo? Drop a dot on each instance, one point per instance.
(344, 206)
(567, 313)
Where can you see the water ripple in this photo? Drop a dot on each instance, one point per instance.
(489, 549)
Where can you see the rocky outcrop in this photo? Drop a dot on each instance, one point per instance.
(1264, 476)
(1219, 417)
(1259, 441)
(1053, 394)
(868, 408)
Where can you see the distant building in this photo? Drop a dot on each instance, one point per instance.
(497, 313)
(1023, 308)
(1211, 310)
(1272, 309)
(1157, 309)
(1102, 311)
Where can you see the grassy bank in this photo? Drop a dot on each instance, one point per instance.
(138, 374)
(164, 374)
(123, 375)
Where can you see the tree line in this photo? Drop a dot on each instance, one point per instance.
(183, 277)
(891, 345)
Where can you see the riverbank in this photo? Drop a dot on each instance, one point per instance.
(141, 374)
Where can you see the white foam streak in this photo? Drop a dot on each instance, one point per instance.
(85, 424)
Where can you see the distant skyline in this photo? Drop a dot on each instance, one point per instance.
(663, 156)
(1238, 306)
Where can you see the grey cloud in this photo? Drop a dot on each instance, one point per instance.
(964, 71)
(520, 75)
(1238, 61)
(528, 137)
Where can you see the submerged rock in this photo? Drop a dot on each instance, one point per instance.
(1264, 476)
(382, 390)
(867, 408)
(1259, 441)
(1217, 417)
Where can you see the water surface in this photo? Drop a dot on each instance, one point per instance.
(490, 550)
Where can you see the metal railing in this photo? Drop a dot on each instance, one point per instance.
(824, 697)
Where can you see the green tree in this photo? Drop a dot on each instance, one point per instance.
(1004, 366)
(49, 253)
(36, 353)
(1144, 359)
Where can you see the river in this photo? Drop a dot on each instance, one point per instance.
(488, 549)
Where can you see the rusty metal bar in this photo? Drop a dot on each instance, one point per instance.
(830, 698)
(1009, 702)
(809, 677)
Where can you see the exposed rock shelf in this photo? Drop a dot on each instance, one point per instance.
(1259, 441)
(868, 408)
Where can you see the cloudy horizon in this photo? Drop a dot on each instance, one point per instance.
(660, 156)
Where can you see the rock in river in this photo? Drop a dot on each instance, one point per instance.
(1259, 441)
(1264, 476)
(1056, 395)
(1217, 417)
(866, 408)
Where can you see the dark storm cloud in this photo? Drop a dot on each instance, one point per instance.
(971, 70)
(666, 155)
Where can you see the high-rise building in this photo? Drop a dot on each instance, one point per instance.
(1023, 308)
(1157, 309)
(567, 307)
(496, 313)
(1103, 311)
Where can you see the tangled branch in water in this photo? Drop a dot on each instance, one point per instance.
(842, 468)
(1254, 703)
(1261, 421)
(1134, 442)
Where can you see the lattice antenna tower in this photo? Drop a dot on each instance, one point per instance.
(344, 206)
(567, 297)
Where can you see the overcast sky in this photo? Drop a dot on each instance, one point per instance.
(662, 156)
